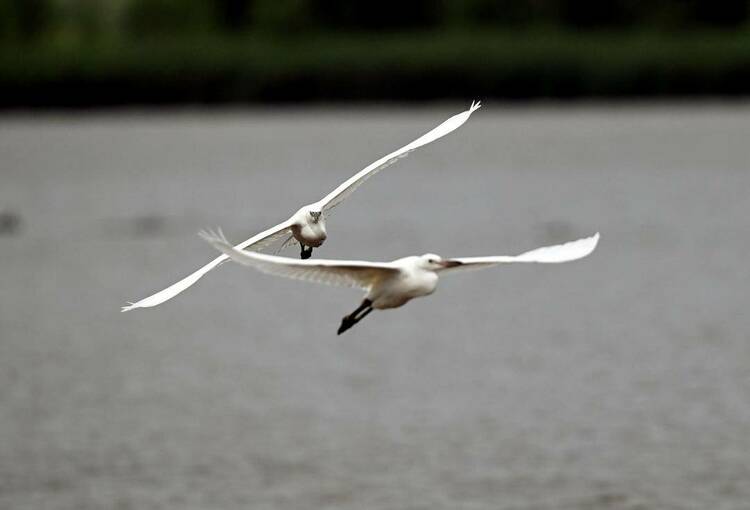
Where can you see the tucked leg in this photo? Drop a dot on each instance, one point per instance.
(364, 314)
(356, 316)
(306, 251)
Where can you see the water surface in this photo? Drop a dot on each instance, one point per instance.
(621, 381)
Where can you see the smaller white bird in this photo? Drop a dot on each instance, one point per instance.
(389, 284)
(308, 225)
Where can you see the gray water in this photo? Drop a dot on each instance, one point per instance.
(620, 382)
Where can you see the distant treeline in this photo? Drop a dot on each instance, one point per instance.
(33, 19)
(113, 52)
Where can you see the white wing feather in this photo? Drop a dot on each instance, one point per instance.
(334, 198)
(345, 189)
(258, 241)
(340, 273)
(567, 252)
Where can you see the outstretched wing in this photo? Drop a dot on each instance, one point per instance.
(340, 194)
(258, 242)
(340, 273)
(567, 252)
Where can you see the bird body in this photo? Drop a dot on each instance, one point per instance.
(412, 280)
(390, 284)
(308, 225)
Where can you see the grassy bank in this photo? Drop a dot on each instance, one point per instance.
(410, 66)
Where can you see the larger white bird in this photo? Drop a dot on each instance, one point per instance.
(307, 226)
(389, 284)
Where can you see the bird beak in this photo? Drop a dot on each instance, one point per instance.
(450, 263)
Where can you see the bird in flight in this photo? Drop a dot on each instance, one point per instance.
(389, 284)
(308, 225)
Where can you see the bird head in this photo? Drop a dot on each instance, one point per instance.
(314, 215)
(311, 213)
(436, 262)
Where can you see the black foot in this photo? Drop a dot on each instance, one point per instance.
(356, 316)
(305, 253)
(346, 323)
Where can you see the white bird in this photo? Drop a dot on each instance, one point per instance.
(307, 226)
(389, 284)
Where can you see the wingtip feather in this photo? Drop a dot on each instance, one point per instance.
(475, 105)
(588, 244)
(594, 241)
(130, 306)
(213, 236)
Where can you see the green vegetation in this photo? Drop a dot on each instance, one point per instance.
(97, 52)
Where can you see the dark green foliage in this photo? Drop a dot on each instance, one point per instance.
(424, 66)
(727, 13)
(233, 15)
(284, 17)
(25, 20)
(508, 13)
(78, 52)
(162, 17)
(85, 19)
(380, 15)
(8, 21)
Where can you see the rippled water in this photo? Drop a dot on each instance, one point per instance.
(619, 382)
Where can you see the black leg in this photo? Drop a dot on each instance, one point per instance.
(306, 251)
(364, 314)
(364, 306)
(351, 319)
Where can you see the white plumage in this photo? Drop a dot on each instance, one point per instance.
(390, 284)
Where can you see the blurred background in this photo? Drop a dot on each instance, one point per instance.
(621, 381)
(114, 52)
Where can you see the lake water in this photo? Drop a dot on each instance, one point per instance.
(620, 382)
